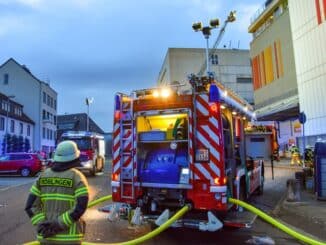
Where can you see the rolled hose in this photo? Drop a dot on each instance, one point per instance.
(139, 240)
(276, 223)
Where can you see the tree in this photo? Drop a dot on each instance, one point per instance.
(27, 145)
(14, 143)
(6, 143)
(20, 147)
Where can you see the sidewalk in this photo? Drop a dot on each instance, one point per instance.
(307, 215)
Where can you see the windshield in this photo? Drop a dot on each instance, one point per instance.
(82, 143)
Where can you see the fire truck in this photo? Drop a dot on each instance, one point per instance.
(172, 149)
(92, 150)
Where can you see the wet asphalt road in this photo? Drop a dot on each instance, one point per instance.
(15, 227)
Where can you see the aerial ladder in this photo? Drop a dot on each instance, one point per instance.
(212, 51)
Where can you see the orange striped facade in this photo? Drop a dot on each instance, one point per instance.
(267, 66)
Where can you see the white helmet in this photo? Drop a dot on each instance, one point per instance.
(66, 151)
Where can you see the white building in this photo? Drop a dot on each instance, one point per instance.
(231, 67)
(37, 97)
(13, 121)
(308, 26)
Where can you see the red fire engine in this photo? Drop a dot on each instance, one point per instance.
(92, 149)
(170, 149)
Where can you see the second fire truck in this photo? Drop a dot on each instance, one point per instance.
(172, 149)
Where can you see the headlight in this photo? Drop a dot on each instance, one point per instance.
(185, 171)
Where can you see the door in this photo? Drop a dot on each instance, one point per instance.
(4, 163)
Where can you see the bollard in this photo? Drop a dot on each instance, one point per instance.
(293, 190)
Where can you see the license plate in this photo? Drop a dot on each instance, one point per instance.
(202, 155)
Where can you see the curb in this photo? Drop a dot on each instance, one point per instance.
(284, 166)
(281, 206)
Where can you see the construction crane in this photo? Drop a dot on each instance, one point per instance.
(230, 18)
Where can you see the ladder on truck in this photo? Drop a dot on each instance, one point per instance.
(127, 148)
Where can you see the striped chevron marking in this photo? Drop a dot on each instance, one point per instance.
(116, 148)
(208, 136)
(202, 105)
(190, 146)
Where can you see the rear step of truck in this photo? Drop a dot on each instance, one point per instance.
(243, 219)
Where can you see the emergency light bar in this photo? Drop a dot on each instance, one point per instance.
(77, 134)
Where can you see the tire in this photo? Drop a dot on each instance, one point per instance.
(242, 191)
(93, 171)
(260, 189)
(25, 172)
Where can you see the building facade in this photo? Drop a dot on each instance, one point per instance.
(37, 97)
(288, 55)
(230, 66)
(76, 122)
(16, 129)
(308, 24)
(273, 65)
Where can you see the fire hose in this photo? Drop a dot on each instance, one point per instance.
(186, 208)
(276, 223)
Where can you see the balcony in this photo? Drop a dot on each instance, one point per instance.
(263, 14)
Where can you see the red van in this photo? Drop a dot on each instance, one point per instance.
(25, 164)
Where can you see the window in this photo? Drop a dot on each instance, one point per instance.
(48, 100)
(2, 123)
(44, 97)
(28, 130)
(44, 114)
(43, 133)
(47, 133)
(51, 102)
(6, 79)
(48, 115)
(54, 120)
(244, 80)
(21, 128)
(12, 126)
(214, 59)
(55, 104)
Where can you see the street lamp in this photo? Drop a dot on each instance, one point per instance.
(88, 102)
(7, 122)
(206, 30)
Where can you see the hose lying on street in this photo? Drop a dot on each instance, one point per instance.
(276, 223)
(183, 210)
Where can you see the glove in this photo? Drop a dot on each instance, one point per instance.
(50, 228)
(41, 227)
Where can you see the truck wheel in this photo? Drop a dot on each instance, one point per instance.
(243, 192)
(93, 171)
(260, 190)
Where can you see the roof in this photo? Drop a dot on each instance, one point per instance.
(25, 68)
(77, 121)
(23, 117)
(279, 111)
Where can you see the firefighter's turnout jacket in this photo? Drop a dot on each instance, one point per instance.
(60, 194)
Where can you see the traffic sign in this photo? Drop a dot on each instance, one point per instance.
(302, 118)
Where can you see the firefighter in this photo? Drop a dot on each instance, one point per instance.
(59, 198)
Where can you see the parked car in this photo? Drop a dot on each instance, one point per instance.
(25, 164)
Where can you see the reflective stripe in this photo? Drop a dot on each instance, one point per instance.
(67, 237)
(81, 191)
(67, 219)
(34, 190)
(37, 218)
(63, 197)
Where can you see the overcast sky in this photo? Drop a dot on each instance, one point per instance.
(94, 48)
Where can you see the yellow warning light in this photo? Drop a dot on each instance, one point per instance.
(156, 94)
(165, 92)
